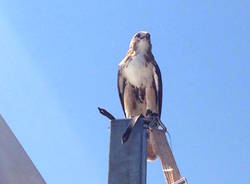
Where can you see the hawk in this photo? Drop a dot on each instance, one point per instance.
(139, 82)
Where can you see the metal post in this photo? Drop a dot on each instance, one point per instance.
(15, 165)
(127, 162)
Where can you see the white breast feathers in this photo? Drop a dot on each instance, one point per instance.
(138, 72)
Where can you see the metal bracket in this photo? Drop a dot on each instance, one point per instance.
(129, 129)
(150, 122)
(183, 180)
(106, 113)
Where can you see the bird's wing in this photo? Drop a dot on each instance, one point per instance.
(121, 82)
(158, 86)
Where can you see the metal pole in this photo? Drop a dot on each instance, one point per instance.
(127, 162)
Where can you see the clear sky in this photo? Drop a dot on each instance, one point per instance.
(59, 61)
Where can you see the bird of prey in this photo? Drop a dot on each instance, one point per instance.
(139, 82)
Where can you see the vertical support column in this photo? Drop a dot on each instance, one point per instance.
(127, 162)
(161, 146)
(15, 165)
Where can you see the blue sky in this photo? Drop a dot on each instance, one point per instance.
(59, 61)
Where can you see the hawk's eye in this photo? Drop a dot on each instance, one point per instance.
(138, 35)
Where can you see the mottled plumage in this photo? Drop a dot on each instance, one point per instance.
(139, 81)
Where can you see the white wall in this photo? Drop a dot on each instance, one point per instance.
(15, 165)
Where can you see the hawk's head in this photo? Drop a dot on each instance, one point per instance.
(141, 42)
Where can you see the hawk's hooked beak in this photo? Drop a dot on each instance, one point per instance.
(147, 36)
